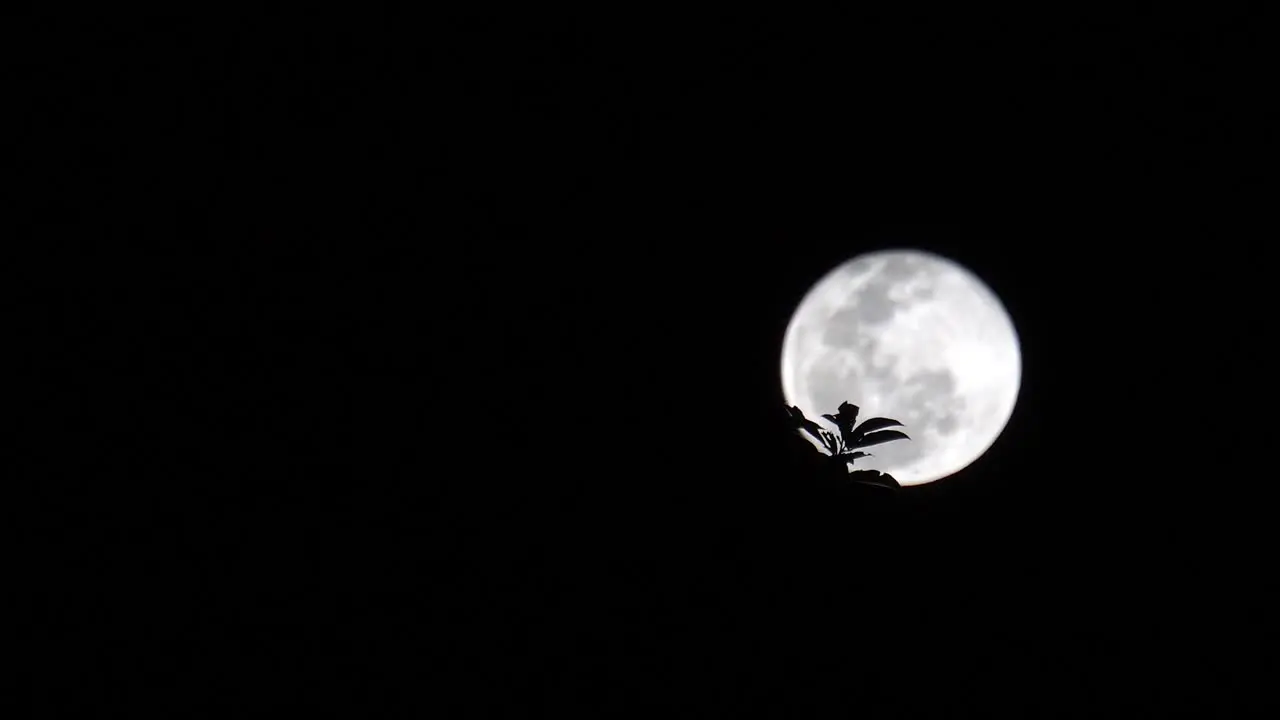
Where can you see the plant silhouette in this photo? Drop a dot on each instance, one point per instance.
(844, 445)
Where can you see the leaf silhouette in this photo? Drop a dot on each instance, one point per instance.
(830, 441)
(874, 478)
(882, 436)
(845, 418)
(796, 417)
(841, 446)
(871, 425)
(800, 422)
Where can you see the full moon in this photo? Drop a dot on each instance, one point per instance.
(912, 336)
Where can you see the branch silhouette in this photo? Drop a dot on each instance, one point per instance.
(844, 445)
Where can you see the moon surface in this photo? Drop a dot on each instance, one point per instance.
(912, 336)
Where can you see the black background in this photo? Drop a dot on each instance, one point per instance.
(399, 360)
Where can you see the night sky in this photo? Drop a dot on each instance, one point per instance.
(437, 359)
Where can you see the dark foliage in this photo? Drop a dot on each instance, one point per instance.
(844, 444)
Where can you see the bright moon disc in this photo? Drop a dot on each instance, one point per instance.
(911, 336)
